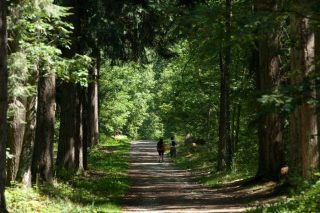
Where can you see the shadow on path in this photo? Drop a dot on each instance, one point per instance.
(160, 187)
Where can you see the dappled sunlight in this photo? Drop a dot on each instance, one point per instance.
(160, 187)
(187, 209)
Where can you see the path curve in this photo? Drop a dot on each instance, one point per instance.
(161, 187)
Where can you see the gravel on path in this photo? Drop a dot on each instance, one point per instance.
(161, 187)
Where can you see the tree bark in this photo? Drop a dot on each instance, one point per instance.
(237, 128)
(16, 121)
(222, 118)
(85, 130)
(3, 101)
(317, 82)
(303, 121)
(225, 151)
(24, 172)
(70, 133)
(93, 104)
(79, 131)
(270, 123)
(42, 162)
(68, 128)
(16, 130)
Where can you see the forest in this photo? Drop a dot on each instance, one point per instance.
(235, 81)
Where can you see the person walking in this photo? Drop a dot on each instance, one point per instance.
(160, 149)
(173, 150)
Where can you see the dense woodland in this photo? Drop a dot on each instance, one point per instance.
(239, 77)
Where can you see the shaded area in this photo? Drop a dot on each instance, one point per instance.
(161, 187)
(99, 188)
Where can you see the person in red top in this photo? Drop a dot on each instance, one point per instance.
(160, 149)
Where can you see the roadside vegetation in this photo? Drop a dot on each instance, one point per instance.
(303, 196)
(99, 189)
(304, 199)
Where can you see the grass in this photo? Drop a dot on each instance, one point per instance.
(201, 161)
(306, 200)
(99, 189)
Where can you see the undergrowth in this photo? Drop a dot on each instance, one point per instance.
(305, 199)
(201, 161)
(99, 189)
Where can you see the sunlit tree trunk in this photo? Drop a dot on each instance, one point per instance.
(24, 172)
(16, 130)
(268, 79)
(16, 118)
(42, 162)
(303, 121)
(85, 130)
(93, 103)
(79, 133)
(317, 82)
(3, 101)
(225, 150)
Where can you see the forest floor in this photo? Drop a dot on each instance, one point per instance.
(161, 187)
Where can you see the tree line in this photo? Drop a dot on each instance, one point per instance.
(241, 75)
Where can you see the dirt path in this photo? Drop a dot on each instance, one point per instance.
(161, 187)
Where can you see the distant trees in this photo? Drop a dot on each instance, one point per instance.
(126, 94)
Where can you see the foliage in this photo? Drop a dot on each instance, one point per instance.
(307, 200)
(34, 28)
(75, 70)
(201, 160)
(126, 94)
(152, 127)
(98, 190)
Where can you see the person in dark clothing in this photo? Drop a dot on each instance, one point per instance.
(173, 151)
(160, 149)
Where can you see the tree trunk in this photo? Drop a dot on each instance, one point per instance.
(16, 130)
(93, 105)
(225, 151)
(68, 128)
(222, 118)
(79, 131)
(28, 143)
(303, 121)
(42, 162)
(209, 123)
(237, 128)
(317, 69)
(16, 121)
(271, 123)
(85, 130)
(3, 101)
(70, 133)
